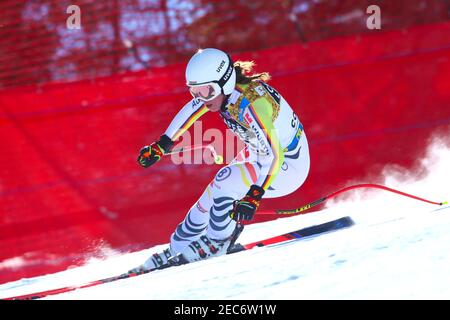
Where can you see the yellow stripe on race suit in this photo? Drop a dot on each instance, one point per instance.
(263, 118)
(243, 176)
(189, 122)
(208, 190)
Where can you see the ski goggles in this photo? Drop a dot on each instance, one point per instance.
(205, 91)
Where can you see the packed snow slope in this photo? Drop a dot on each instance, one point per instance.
(399, 248)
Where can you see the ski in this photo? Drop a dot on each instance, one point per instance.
(337, 224)
(333, 225)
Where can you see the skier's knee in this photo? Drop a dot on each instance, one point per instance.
(228, 181)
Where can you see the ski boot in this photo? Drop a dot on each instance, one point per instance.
(205, 247)
(156, 261)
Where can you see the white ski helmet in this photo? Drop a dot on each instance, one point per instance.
(209, 73)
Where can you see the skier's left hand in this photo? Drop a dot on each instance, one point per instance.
(245, 208)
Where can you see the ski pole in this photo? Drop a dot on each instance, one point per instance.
(218, 159)
(308, 206)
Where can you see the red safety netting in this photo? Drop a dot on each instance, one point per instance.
(70, 186)
(38, 44)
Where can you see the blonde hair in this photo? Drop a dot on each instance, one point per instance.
(243, 69)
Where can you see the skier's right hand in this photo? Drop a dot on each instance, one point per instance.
(151, 154)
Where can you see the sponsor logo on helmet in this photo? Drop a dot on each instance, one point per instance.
(220, 66)
(228, 74)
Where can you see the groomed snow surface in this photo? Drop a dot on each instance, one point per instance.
(399, 248)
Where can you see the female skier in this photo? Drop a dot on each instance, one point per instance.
(275, 161)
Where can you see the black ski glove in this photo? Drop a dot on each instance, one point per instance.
(245, 208)
(151, 154)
